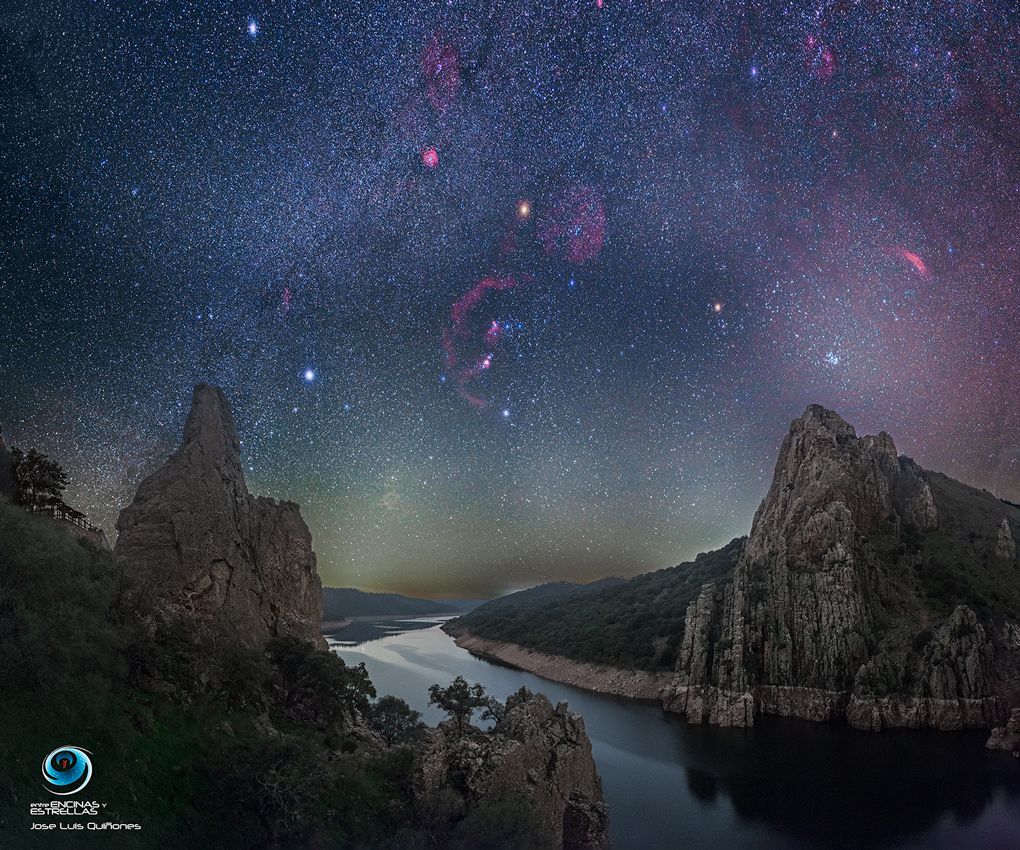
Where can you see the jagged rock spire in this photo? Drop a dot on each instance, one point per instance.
(208, 549)
(803, 626)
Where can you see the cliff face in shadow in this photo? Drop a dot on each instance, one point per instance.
(189, 663)
(211, 552)
(537, 754)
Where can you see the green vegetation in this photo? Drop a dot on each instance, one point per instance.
(201, 741)
(394, 720)
(41, 481)
(636, 623)
(181, 734)
(461, 700)
(957, 561)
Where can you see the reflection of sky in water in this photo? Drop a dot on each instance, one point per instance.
(784, 784)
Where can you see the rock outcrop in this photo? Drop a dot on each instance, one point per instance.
(815, 621)
(1007, 737)
(536, 752)
(211, 552)
(1005, 545)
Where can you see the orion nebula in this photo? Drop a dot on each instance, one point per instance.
(471, 342)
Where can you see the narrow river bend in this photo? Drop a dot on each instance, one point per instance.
(783, 784)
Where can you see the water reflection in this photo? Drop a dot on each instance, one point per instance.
(785, 783)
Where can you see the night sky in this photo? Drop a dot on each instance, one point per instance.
(509, 292)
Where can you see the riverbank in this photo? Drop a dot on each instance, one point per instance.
(635, 684)
(786, 786)
(718, 708)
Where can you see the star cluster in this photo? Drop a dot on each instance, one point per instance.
(712, 214)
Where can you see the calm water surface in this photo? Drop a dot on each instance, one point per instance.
(785, 783)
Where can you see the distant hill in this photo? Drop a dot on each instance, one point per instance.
(548, 591)
(623, 622)
(342, 603)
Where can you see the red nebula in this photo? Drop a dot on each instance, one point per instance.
(919, 265)
(575, 225)
(440, 67)
(820, 58)
(430, 157)
(461, 336)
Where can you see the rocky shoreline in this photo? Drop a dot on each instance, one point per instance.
(731, 709)
(634, 684)
(869, 591)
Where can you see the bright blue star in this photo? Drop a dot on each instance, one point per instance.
(309, 375)
(253, 27)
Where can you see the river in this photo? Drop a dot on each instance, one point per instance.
(783, 784)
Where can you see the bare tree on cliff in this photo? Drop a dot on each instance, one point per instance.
(41, 481)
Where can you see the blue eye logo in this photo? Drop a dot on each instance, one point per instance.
(67, 770)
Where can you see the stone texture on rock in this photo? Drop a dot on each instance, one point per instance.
(537, 752)
(800, 629)
(212, 552)
(1005, 545)
(1007, 737)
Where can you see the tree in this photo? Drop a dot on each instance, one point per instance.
(316, 686)
(461, 700)
(40, 480)
(394, 719)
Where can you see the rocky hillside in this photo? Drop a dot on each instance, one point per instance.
(198, 541)
(869, 589)
(635, 623)
(190, 665)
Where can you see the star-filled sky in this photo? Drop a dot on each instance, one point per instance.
(509, 292)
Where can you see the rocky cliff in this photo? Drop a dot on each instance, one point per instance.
(212, 553)
(536, 752)
(870, 590)
(833, 608)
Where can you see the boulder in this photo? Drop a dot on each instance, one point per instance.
(1007, 737)
(206, 549)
